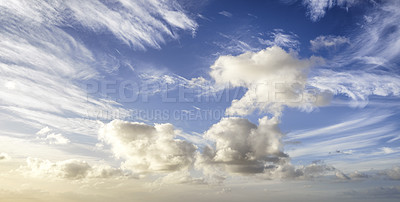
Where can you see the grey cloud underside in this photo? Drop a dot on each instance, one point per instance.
(241, 148)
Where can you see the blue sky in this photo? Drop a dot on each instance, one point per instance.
(189, 99)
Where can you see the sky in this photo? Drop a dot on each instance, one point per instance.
(185, 100)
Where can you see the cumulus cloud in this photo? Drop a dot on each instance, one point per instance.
(147, 148)
(273, 77)
(330, 41)
(243, 147)
(71, 169)
(4, 156)
(46, 135)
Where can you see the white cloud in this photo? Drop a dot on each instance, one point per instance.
(387, 150)
(46, 67)
(374, 42)
(138, 23)
(226, 14)
(56, 139)
(285, 170)
(378, 40)
(4, 156)
(46, 135)
(281, 39)
(357, 85)
(234, 43)
(43, 67)
(317, 8)
(330, 41)
(352, 141)
(356, 122)
(182, 177)
(242, 147)
(43, 131)
(71, 169)
(147, 148)
(273, 77)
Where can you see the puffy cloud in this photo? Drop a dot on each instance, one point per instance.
(56, 139)
(147, 148)
(46, 135)
(71, 169)
(330, 41)
(4, 157)
(273, 77)
(243, 147)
